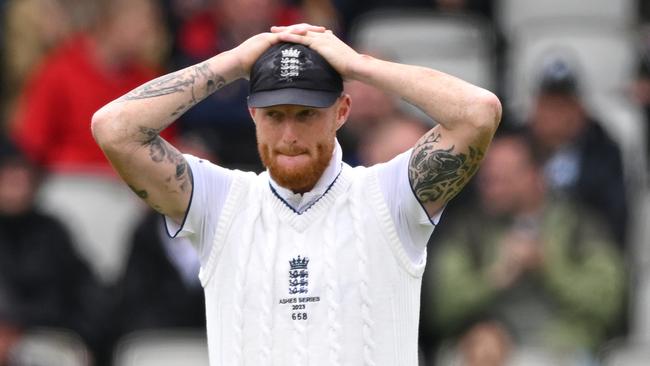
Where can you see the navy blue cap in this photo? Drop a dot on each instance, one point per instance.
(558, 77)
(289, 73)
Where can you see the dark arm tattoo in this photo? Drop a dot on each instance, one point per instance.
(179, 82)
(439, 174)
(140, 192)
(160, 151)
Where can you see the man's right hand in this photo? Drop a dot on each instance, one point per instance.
(519, 253)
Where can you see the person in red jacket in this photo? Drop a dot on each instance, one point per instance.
(52, 125)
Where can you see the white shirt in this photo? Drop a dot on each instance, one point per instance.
(212, 184)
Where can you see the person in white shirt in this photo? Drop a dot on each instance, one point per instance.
(310, 262)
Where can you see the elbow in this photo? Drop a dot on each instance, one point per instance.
(487, 112)
(97, 124)
(103, 127)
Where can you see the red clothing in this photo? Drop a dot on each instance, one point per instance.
(53, 119)
(198, 37)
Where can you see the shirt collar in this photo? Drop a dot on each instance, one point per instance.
(300, 202)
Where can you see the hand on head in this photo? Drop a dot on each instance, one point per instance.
(250, 50)
(299, 29)
(336, 52)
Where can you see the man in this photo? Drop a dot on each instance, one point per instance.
(43, 280)
(581, 160)
(312, 261)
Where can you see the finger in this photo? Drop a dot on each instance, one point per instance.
(301, 28)
(293, 38)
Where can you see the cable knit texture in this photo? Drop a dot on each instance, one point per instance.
(366, 300)
(271, 224)
(331, 286)
(333, 291)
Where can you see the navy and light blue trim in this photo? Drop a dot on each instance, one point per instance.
(189, 206)
(313, 203)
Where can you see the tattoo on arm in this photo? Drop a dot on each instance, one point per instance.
(439, 174)
(140, 192)
(160, 151)
(179, 82)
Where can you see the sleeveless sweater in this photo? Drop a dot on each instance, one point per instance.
(331, 286)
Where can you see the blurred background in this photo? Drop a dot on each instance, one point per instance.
(542, 260)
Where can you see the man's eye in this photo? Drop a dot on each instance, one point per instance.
(307, 113)
(273, 114)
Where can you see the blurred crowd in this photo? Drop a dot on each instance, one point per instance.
(533, 262)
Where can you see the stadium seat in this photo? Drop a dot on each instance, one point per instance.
(460, 45)
(603, 56)
(49, 346)
(162, 348)
(514, 15)
(100, 213)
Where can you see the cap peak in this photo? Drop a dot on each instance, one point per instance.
(292, 73)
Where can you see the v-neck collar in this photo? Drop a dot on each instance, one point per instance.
(300, 203)
(313, 213)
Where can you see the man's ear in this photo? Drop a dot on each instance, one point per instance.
(252, 111)
(343, 110)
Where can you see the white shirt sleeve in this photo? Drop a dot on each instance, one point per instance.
(414, 226)
(211, 186)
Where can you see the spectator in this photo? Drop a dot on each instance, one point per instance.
(581, 161)
(523, 269)
(321, 12)
(52, 124)
(43, 282)
(31, 28)
(160, 287)
(392, 136)
(371, 105)
(90, 68)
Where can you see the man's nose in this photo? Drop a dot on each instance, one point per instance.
(290, 131)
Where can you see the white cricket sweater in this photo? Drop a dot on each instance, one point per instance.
(331, 286)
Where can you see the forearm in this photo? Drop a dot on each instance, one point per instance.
(467, 117)
(138, 116)
(128, 131)
(449, 101)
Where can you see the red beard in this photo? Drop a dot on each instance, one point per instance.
(298, 180)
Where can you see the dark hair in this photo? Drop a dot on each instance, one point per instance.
(522, 136)
(11, 155)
